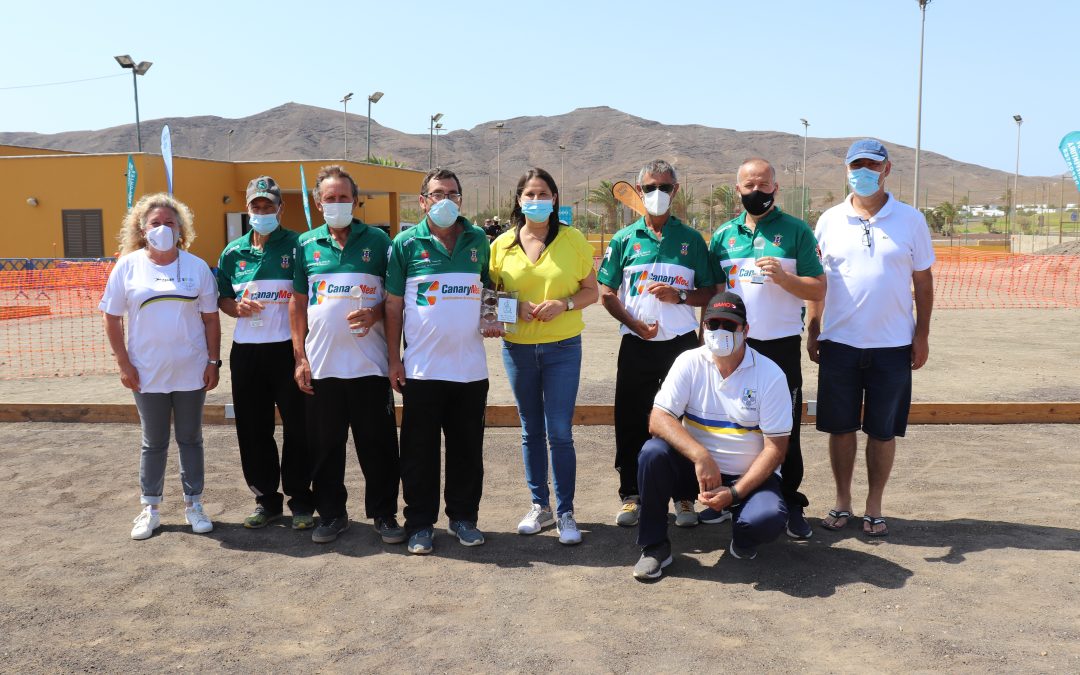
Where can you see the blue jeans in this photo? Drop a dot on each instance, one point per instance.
(544, 378)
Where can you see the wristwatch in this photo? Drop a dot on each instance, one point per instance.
(212, 362)
(569, 303)
(682, 297)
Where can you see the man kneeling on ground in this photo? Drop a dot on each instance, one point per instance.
(736, 418)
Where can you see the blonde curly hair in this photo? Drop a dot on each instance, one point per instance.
(132, 235)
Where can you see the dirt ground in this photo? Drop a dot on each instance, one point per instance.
(975, 355)
(981, 572)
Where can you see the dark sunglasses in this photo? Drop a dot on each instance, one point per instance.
(722, 324)
(663, 187)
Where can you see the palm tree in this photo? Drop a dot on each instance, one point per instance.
(724, 196)
(602, 196)
(683, 202)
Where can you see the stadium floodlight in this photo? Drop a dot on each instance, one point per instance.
(345, 120)
(126, 61)
(374, 98)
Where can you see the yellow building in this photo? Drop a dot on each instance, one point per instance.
(56, 204)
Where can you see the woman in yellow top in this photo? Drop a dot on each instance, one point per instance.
(550, 266)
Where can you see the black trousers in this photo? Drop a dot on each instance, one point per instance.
(787, 353)
(365, 404)
(456, 411)
(643, 365)
(262, 377)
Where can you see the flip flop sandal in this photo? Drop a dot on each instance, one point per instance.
(836, 515)
(873, 523)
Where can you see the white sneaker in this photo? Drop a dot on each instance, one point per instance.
(147, 521)
(197, 518)
(536, 519)
(685, 515)
(569, 533)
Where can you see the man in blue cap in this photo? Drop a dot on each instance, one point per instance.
(864, 336)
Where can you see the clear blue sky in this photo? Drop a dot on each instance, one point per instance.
(849, 66)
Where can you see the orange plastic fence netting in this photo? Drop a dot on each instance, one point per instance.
(966, 278)
(49, 321)
(50, 325)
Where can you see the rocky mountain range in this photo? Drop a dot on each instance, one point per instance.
(601, 144)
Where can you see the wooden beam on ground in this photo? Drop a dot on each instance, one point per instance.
(1056, 412)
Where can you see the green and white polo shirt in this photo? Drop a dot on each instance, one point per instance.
(271, 268)
(771, 311)
(442, 302)
(636, 258)
(326, 274)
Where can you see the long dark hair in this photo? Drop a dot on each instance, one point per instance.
(517, 218)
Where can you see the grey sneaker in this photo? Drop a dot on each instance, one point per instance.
(714, 517)
(628, 514)
(466, 532)
(569, 533)
(685, 515)
(536, 519)
(742, 553)
(420, 542)
(390, 531)
(653, 561)
(328, 530)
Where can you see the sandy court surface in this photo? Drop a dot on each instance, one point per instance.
(975, 355)
(981, 572)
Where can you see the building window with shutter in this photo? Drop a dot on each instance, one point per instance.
(83, 236)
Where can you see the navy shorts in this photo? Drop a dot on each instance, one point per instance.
(872, 383)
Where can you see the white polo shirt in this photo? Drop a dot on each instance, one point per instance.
(729, 416)
(868, 300)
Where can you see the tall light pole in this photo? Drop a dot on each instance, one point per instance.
(230, 143)
(431, 140)
(438, 129)
(126, 61)
(918, 117)
(1016, 178)
(806, 129)
(374, 98)
(345, 122)
(499, 128)
(562, 164)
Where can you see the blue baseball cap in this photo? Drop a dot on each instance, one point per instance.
(867, 148)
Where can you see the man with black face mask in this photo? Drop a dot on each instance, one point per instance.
(770, 259)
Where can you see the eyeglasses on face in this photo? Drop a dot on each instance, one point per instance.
(439, 196)
(662, 187)
(722, 324)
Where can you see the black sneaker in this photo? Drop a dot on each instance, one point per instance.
(328, 531)
(390, 531)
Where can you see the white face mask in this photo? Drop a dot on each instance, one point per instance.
(338, 215)
(723, 342)
(657, 202)
(161, 238)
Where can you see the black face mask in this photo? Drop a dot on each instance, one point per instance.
(757, 202)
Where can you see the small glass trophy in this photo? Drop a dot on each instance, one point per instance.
(250, 290)
(759, 253)
(649, 310)
(357, 294)
(498, 310)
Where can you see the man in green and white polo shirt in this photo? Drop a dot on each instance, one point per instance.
(433, 282)
(773, 278)
(655, 271)
(255, 274)
(340, 349)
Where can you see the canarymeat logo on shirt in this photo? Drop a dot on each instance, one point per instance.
(430, 292)
(323, 290)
